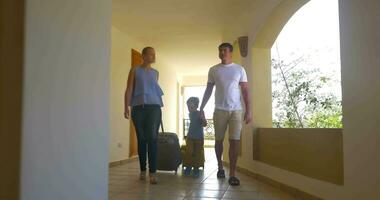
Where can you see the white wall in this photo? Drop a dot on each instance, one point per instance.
(120, 66)
(66, 100)
(360, 49)
(168, 82)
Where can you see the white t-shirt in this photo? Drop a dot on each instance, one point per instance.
(226, 79)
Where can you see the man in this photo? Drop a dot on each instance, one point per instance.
(228, 79)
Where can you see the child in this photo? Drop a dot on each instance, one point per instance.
(194, 155)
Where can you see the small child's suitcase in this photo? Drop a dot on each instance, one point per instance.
(168, 151)
(190, 160)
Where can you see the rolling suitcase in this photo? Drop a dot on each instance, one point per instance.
(187, 159)
(168, 151)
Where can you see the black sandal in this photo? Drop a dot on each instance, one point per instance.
(233, 181)
(221, 174)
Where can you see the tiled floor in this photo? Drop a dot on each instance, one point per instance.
(124, 184)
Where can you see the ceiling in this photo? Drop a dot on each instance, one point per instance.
(185, 33)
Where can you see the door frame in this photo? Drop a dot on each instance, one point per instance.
(136, 59)
(12, 23)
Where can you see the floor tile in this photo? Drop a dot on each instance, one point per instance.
(207, 193)
(241, 195)
(124, 184)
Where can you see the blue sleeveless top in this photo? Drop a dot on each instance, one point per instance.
(146, 89)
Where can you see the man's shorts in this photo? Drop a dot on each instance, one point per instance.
(232, 119)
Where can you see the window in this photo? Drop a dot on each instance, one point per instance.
(306, 86)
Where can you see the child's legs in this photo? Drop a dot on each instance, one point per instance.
(198, 154)
(198, 147)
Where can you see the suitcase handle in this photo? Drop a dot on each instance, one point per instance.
(162, 126)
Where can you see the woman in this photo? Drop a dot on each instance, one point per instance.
(144, 94)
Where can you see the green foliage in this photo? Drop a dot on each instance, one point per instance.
(326, 120)
(300, 97)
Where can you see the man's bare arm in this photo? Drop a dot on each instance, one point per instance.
(207, 95)
(246, 99)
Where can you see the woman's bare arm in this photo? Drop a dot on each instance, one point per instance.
(128, 92)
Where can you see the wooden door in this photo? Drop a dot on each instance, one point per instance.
(12, 31)
(136, 58)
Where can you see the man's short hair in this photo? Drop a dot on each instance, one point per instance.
(145, 50)
(226, 45)
(194, 100)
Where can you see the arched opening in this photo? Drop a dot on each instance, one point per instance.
(309, 147)
(305, 66)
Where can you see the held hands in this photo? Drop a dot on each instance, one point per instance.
(202, 114)
(203, 118)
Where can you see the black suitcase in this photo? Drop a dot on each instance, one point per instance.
(168, 151)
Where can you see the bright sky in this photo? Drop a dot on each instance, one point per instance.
(314, 31)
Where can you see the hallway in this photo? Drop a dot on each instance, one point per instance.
(124, 185)
(63, 70)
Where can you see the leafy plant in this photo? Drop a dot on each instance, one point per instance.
(300, 97)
